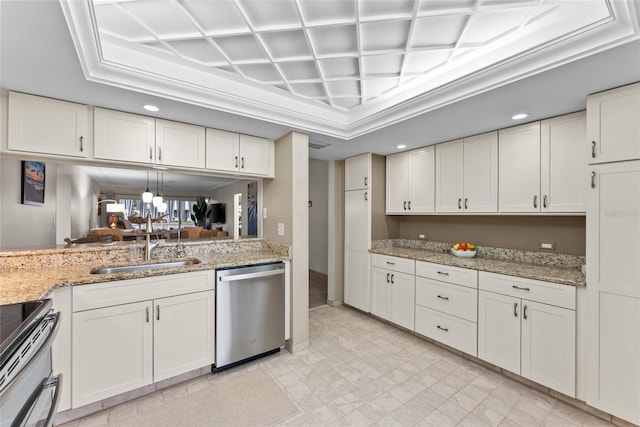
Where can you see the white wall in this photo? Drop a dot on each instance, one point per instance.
(25, 226)
(318, 215)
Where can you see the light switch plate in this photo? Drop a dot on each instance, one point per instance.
(280, 229)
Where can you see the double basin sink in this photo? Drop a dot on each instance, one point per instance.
(144, 267)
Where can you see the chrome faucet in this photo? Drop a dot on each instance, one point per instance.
(149, 246)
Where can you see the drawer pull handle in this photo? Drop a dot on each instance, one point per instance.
(387, 277)
(366, 197)
(593, 149)
(147, 311)
(444, 298)
(459, 203)
(444, 273)
(236, 159)
(544, 201)
(593, 180)
(405, 205)
(515, 309)
(409, 204)
(442, 329)
(466, 205)
(158, 312)
(392, 279)
(535, 201)
(391, 263)
(82, 143)
(522, 289)
(366, 181)
(524, 312)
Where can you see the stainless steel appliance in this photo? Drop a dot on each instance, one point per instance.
(28, 391)
(250, 313)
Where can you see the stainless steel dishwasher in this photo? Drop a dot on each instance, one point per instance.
(250, 313)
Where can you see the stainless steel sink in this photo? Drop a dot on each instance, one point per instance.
(142, 267)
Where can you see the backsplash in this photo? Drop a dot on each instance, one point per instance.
(513, 255)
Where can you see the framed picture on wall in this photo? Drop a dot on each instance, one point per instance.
(33, 183)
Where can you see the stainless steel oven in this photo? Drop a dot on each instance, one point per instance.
(28, 391)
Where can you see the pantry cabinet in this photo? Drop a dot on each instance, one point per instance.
(357, 172)
(357, 242)
(132, 333)
(410, 182)
(179, 144)
(613, 130)
(124, 136)
(233, 152)
(467, 174)
(47, 126)
(528, 327)
(393, 289)
(613, 289)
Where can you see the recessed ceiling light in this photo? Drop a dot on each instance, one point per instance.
(520, 116)
(401, 146)
(150, 107)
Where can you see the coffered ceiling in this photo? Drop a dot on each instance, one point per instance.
(341, 68)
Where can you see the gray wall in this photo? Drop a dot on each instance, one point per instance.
(318, 215)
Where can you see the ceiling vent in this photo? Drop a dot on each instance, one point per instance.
(317, 145)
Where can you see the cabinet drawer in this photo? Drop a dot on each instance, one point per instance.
(402, 265)
(451, 299)
(445, 273)
(88, 297)
(449, 330)
(532, 290)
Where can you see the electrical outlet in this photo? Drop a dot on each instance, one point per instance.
(550, 245)
(422, 236)
(280, 229)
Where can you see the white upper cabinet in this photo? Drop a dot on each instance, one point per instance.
(357, 172)
(232, 152)
(410, 182)
(124, 136)
(449, 176)
(180, 144)
(613, 119)
(467, 174)
(563, 164)
(519, 168)
(48, 126)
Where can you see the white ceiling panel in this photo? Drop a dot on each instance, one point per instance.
(398, 53)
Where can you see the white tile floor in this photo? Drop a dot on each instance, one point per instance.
(359, 371)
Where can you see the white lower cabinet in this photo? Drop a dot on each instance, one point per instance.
(131, 333)
(446, 305)
(522, 329)
(393, 289)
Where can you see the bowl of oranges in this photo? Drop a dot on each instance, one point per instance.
(464, 250)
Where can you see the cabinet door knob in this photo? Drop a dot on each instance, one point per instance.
(442, 329)
(459, 203)
(515, 309)
(593, 179)
(593, 149)
(82, 143)
(524, 312)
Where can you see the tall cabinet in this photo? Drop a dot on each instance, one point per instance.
(613, 271)
(364, 221)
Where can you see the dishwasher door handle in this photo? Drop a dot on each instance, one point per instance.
(251, 275)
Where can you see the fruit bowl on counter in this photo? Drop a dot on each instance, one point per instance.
(464, 250)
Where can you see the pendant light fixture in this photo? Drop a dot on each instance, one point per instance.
(147, 196)
(163, 206)
(157, 199)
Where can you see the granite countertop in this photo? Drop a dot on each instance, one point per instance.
(550, 273)
(25, 284)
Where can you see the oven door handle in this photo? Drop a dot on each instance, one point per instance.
(30, 409)
(53, 317)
